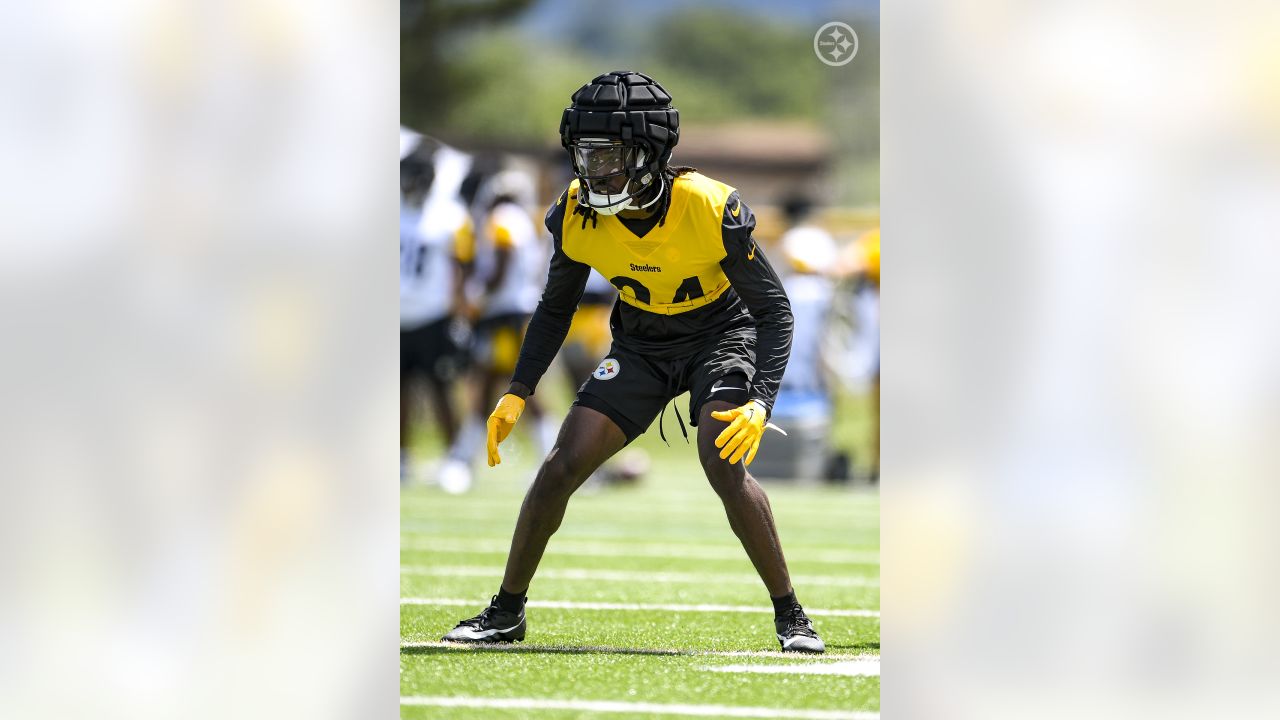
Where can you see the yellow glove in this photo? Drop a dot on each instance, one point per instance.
(742, 437)
(504, 418)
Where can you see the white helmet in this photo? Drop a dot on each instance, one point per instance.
(513, 184)
(809, 250)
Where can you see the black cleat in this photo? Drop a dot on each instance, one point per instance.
(796, 633)
(493, 624)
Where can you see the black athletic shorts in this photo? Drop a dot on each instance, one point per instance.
(433, 350)
(631, 388)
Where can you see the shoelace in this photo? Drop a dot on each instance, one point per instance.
(479, 620)
(798, 623)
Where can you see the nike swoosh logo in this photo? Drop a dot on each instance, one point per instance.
(718, 389)
(491, 633)
(752, 255)
(787, 643)
(736, 209)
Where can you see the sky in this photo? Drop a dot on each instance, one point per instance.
(547, 16)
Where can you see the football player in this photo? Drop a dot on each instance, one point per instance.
(434, 230)
(861, 264)
(699, 309)
(509, 268)
(811, 256)
(805, 405)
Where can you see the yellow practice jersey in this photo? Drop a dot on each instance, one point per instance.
(695, 287)
(674, 267)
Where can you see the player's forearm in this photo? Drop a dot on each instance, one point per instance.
(546, 333)
(773, 349)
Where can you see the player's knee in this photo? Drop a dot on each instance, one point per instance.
(726, 478)
(561, 472)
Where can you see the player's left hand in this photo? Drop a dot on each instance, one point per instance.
(742, 437)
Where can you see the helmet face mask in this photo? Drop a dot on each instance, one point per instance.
(606, 171)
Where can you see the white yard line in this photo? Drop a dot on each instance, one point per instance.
(588, 649)
(666, 607)
(691, 551)
(637, 576)
(666, 504)
(641, 519)
(611, 535)
(593, 527)
(863, 667)
(636, 708)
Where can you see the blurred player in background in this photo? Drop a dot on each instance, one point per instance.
(805, 405)
(502, 291)
(811, 256)
(588, 339)
(859, 264)
(434, 229)
(701, 310)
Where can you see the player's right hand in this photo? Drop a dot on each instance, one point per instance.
(746, 427)
(504, 418)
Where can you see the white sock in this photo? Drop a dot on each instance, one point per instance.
(469, 440)
(547, 431)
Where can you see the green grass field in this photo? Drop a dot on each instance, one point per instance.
(644, 606)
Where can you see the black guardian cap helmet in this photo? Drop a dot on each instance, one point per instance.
(619, 131)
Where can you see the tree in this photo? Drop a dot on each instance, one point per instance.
(427, 81)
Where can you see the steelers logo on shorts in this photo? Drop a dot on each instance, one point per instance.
(608, 369)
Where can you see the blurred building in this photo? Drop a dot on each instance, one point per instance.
(765, 161)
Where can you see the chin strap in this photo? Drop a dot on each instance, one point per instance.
(662, 187)
(589, 211)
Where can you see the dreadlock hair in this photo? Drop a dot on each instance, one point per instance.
(669, 175)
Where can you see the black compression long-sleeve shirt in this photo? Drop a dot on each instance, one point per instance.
(755, 282)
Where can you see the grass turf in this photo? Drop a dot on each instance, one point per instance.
(665, 541)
